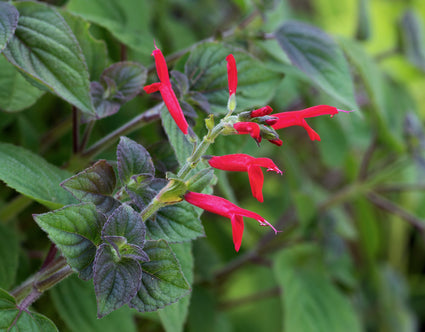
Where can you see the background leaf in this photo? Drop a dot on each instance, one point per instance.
(32, 176)
(9, 250)
(44, 48)
(316, 54)
(8, 21)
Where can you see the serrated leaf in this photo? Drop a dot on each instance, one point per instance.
(32, 176)
(95, 185)
(412, 38)
(163, 282)
(317, 55)
(133, 159)
(207, 72)
(126, 223)
(45, 49)
(175, 223)
(16, 94)
(9, 17)
(116, 282)
(76, 231)
(9, 250)
(309, 294)
(13, 319)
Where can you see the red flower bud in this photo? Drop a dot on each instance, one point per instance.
(266, 110)
(250, 128)
(232, 74)
(277, 142)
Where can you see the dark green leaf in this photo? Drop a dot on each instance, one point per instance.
(412, 38)
(75, 301)
(9, 249)
(16, 94)
(163, 282)
(75, 230)
(207, 71)
(175, 223)
(33, 177)
(9, 17)
(317, 55)
(95, 185)
(13, 319)
(45, 49)
(116, 281)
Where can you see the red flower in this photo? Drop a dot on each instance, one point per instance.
(226, 209)
(166, 90)
(296, 118)
(244, 163)
(232, 74)
(266, 110)
(250, 128)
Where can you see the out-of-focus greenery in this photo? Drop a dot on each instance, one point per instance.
(351, 254)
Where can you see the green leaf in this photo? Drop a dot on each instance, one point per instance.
(44, 48)
(175, 223)
(75, 230)
(173, 317)
(163, 282)
(9, 17)
(206, 67)
(412, 38)
(119, 83)
(13, 319)
(16, 94)
(95, 185)
(310, 301)
(317, 55)
(201, 180)
(75, 301)
(128, 21)
(116, 282)
(33, 177)
(9, 250)
(94, 50)
(363, 31)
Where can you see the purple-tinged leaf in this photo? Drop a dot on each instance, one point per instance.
(198, 99)
(134, 252)
(182, 86)
(76, 231)
(163, 281)
(9, 17)
(95, 185)
(116, 281)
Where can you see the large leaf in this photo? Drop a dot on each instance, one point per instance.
(317, 55)
(44, 48)
(75, 301)
(412, 38)
(9, 249)
(8, 22)
(76, 231)
(311, 302)
(16, 93)
(14, 319)
(175, 223)
(33, 177)
(96, 185)
(163, 282)
(206, 69)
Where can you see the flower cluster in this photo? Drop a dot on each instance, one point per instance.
(259, 123)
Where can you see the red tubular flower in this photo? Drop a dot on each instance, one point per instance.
(232, 74)
(166, 90)
(296, 118)
(250, 128)
(244, 163)
(226, 209)
(277, 141)
(266, 110)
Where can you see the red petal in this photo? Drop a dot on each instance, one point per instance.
(250, 128)
(237, 162)
(311, 133)
(266, 110)
(232, 74)
(161, 66)
(256, 180)
(154, 87)
(237, 230)
(174, 108)
(318, 110)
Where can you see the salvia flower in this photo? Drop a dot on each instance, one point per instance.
(166, 90)
(245, 163)
(250, 128)
(232, 74)
(297, 118)
(226, 209)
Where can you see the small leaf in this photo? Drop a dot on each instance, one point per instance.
(95, 185)
(412, 38)
(116, 281)
(75, 230)
(13, 319)
(175, 223)
(44, 48)
(9, 17)
(32, 176)
(207, 72)
(9, 250)
(163, 282)
(133, 159)
(317, 55)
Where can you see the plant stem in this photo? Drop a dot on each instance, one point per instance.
(13, 208)
(86, 135)
(75, 130)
